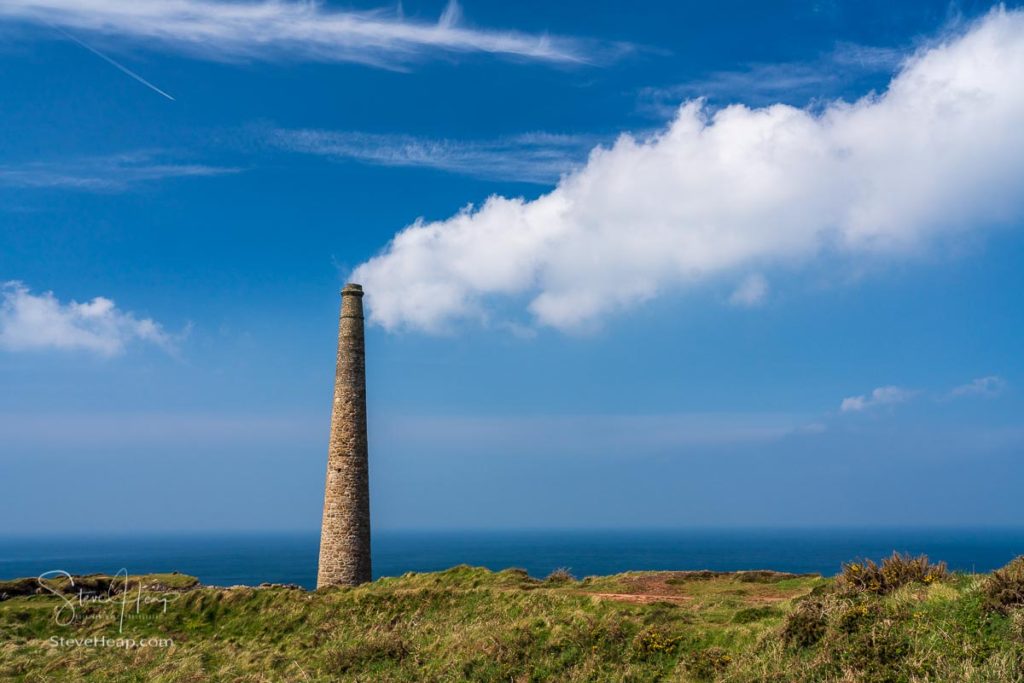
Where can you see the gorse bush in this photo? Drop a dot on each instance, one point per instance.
(706, 665)
(896, 571)
(654, 641)
(1004, 588)
(807, 623)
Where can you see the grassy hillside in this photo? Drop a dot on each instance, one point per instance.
(898, 622)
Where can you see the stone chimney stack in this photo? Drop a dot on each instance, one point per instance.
(345, 532)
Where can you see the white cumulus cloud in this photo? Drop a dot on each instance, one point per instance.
(724, 193)
(40, 321)
(294, 30)
(881, 396)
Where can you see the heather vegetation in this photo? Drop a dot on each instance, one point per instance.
(904, 619)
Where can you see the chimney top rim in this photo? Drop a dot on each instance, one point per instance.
(352, 288)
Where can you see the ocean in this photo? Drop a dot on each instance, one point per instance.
(253, 558)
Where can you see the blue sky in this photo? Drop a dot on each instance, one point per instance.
(794, 302)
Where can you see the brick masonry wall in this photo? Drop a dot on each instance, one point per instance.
(345, 532)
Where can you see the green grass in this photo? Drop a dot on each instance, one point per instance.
(472, 624)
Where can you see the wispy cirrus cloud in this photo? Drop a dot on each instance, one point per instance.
(768, 83)
(33, 322)
(532, 157)
(983, 387)
(296, 30)
(109, 173)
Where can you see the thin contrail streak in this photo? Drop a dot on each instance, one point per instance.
(110, 61)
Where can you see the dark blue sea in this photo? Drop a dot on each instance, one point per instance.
(237, 558)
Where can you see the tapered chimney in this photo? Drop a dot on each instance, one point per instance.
(345, 532)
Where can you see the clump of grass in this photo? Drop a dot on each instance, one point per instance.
(769, 576)
(752, 614)
(1017, 624)
(371, 649)
(894, 572)
(749, 576)
(1004, 588)
(560, 575)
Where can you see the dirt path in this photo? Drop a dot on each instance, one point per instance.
(641, 598)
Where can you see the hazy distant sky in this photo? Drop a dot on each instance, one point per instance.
(628, 264)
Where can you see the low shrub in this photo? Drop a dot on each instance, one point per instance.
(706, 665)
(896, 571)
(654, 641)
(1004, 588)
(807, 623)
(876, 650)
